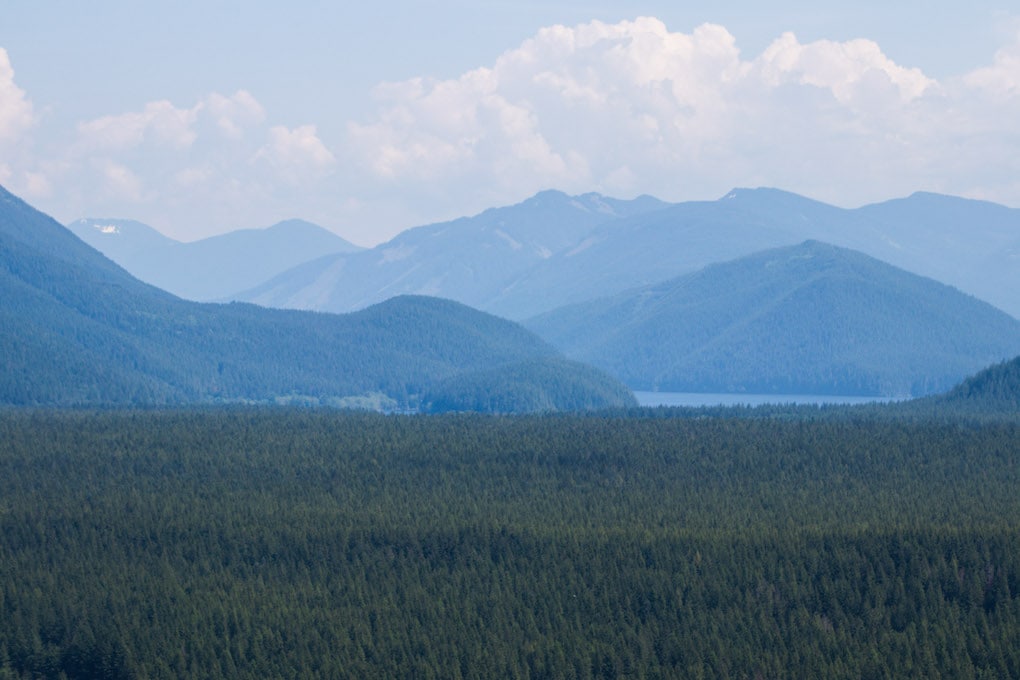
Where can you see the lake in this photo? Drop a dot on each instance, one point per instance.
(724, 399)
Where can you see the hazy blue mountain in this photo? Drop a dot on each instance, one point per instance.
(652, 247)
(471, 259)
(75, 328)
(972, 245)
(808, 319)
(212, 268)
(123, 241)
(555, 249)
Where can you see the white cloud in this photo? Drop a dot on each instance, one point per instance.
(119, 182)
(16, 115)
(842, 68)
(1001, 79)
(235, 113)
(296, 155)
(634, 106)
(216, 158)
(624, 108)
(160, 122)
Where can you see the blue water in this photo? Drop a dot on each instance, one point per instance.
(703, 399)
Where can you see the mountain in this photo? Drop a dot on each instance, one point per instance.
(76, 329)
(554, 249)
(648, 248)
(996, 389)
(471, 259)
(212, 268)
(971, 245)
(807, 319)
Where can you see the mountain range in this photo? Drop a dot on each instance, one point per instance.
(213, 268)
(957, 241)
(470, 259)
(555, 249)
(77, 329)
(805, 319)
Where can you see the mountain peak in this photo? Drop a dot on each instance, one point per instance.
(79, 330)
(768, 196)
(547, 196)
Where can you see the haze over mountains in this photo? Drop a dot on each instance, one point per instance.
(76, 329)
(213, 268)
(555, 249)
(471, 260)
(805, 319)
(956, 241)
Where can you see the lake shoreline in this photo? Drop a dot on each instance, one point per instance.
(695, 399)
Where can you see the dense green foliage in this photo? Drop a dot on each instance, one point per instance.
(546, 385)
(248, 543)
(809, 319)
(76, 329)
(995, 389)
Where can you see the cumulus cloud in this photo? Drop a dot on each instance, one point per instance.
(119, 182)
(622, 108)
(296, 155)
(16, 115)
(217, 155)
(163, 124)
(1001, 79)
(160, 122)
(842, 68)
(235, 113)
(634, 106)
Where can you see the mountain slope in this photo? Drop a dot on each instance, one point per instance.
(568, 257)
(996, 389)
(652, 247)
(78, 329)
(811, 318)
(213, 268)
(971, 245)
(471, 259)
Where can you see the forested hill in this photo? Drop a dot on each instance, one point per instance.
(77, 329)
(995, 390)
(807, 319)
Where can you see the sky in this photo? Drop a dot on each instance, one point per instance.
(200, 117)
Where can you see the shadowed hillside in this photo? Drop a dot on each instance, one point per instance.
(809, 319)
(78, 329)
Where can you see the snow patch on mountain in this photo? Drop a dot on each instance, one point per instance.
(514, 243)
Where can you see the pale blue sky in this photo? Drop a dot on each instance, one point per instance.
(200, 117)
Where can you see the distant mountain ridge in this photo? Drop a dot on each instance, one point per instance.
(471, 259)
(555, 249)
(76, 329)
(213, 268)
(807, 319)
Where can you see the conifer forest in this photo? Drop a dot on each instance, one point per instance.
(261, 543)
